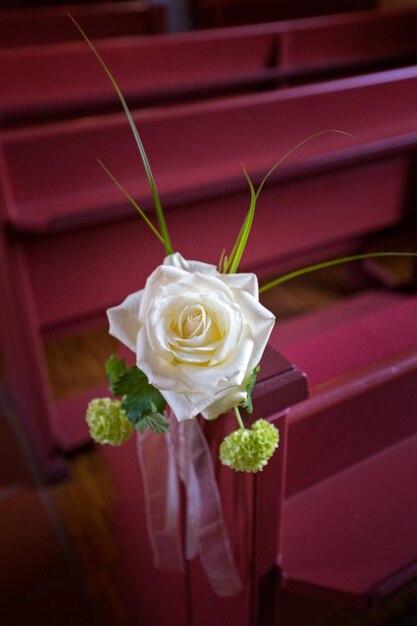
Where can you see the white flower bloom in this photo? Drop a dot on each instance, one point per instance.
(197, 334)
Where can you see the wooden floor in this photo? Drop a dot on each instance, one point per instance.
(83, 502)
(84, 505)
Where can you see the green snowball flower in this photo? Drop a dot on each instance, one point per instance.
(246, 450)
(108, 422)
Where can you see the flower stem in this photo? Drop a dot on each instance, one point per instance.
(239, 418)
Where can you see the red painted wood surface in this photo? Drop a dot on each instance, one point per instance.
(350, 38)
(361, 540)
(349, 519)
(344, 528)
(252, 523)
(212, 13)
(64, 80)
(370, 329)
(43, 198)
(98, 286)
(45, 25)
(26, 377)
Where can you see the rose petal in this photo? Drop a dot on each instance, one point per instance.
(232, 335)
(172, 281)
(161, 373)
(198, 334)
(245, 282)
(184, 406)
(163, 275)
(187, 407)
(123, 319)
(212, 381)
(261, 322)
(178, 260)
(225, 404)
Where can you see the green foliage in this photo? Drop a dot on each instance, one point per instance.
(236, 254)
(320, 266)
(145, 161)
(249, 450)
(247, 404)
(143, 404)
(155, 421)
(107, 422)
(114, 371)
(132, 202)
(240, 244)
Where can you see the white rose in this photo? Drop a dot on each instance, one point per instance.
(197, 334)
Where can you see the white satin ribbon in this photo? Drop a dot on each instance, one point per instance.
(183, 454)
(157, 460)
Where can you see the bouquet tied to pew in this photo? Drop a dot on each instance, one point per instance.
(198, 331)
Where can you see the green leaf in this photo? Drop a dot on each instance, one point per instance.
(296, 147)
(132, 201)
(114, 370)
(140, 398)
(155, 196)
(247, 404)
(155, 421)
(240, 243)
(320, 266)
(142, 403)
(243, 236)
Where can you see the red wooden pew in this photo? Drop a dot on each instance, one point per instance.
(351, 453)
(63, 80)
(187, 597)
(70, 240)
(47, 25)
(215, 13)
(348, 42)
(333, 516)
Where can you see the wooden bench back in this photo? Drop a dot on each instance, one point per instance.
(360, 37)
(353, 416)
(52, 170)
(52, 185)
(211, 13)
(46, 25)
(64, 80)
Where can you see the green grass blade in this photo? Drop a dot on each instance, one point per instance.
(242, 239)
(320, 266)
(242, 230)
(240, 243)
(155, 195)
(132, 201)
(296, 147)
(235, 245)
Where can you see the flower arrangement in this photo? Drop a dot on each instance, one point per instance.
(198, 335)
(198, 332)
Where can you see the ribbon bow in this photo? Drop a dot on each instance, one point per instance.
(165, 460)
